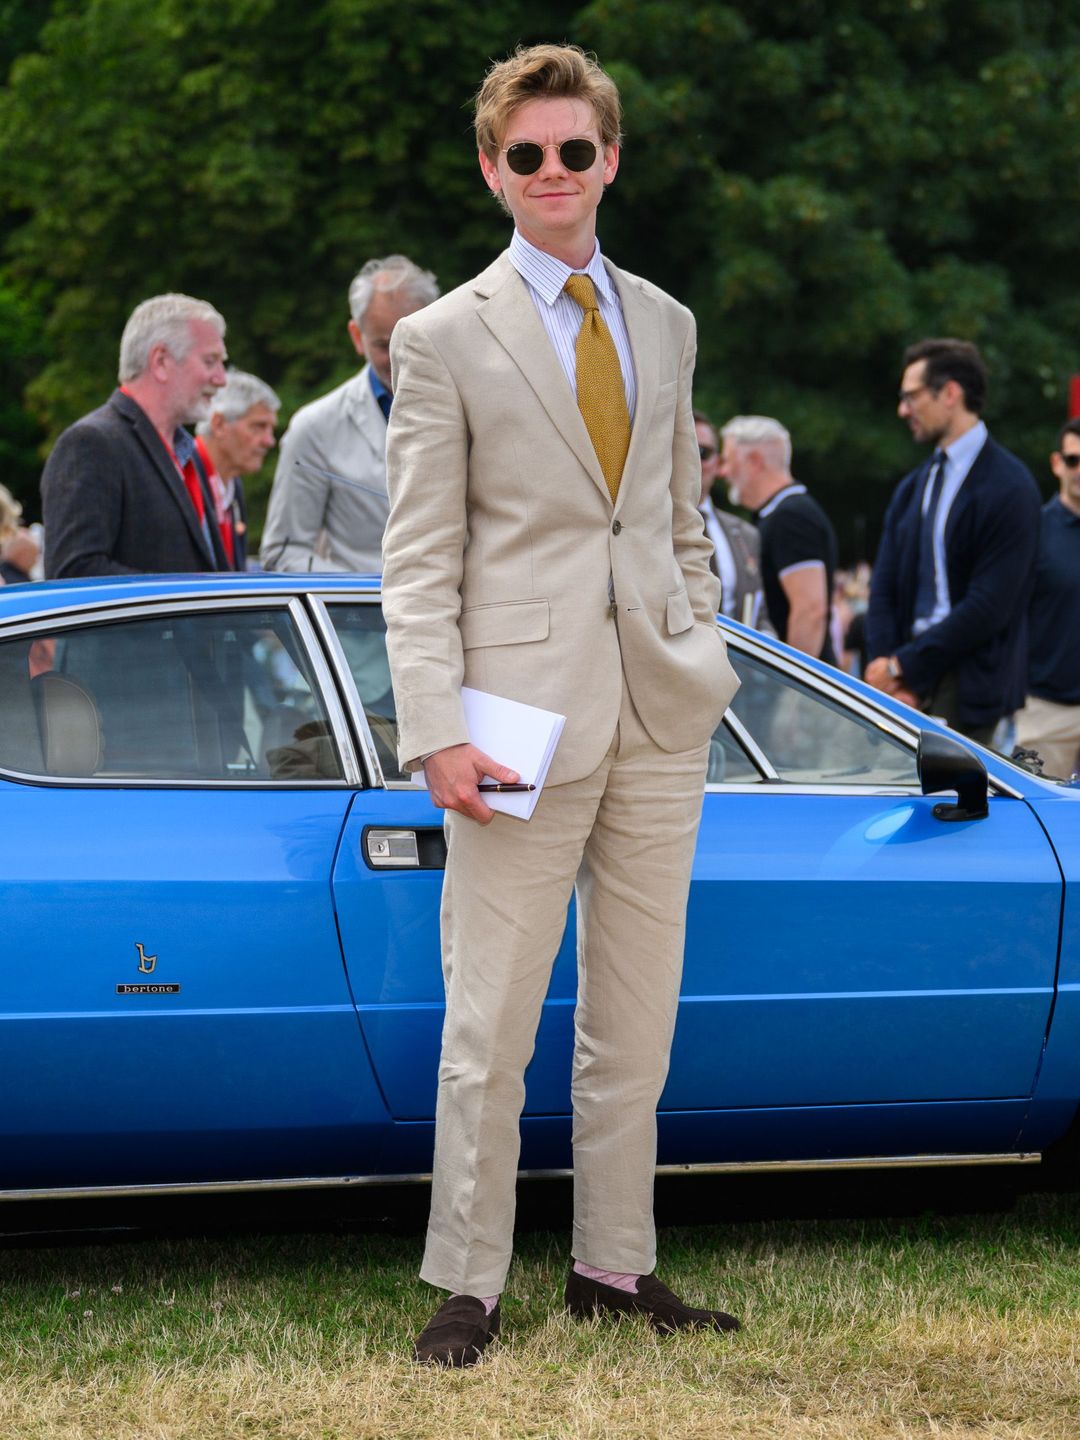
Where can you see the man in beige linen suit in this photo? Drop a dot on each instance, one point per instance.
(555, 555)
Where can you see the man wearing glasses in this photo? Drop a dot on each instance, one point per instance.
(946, 624)
(544, 544)
(1049, 723)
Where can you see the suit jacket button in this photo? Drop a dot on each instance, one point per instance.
(617, 527)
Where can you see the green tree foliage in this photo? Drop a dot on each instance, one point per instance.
(822, 181)
(252, 152)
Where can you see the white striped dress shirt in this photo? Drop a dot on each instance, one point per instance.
(561, 317)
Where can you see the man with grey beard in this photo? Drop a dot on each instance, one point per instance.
(123, 490)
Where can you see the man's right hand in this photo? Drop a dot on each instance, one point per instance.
(452, 777)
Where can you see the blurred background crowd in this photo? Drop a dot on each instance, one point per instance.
(823, 182)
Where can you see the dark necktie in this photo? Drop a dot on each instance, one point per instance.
(926, 584)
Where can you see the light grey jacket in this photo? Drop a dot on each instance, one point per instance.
(328, 505)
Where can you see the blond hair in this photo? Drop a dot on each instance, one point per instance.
(10, 513)
(544, 72)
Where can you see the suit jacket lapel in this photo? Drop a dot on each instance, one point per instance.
(150, 441)
(509, 313)
(640, 314)
(365, 414)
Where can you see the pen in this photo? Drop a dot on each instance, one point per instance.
(503, 789)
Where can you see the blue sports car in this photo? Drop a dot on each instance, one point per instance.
(220, 906)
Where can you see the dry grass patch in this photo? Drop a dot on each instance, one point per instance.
(863, 1330)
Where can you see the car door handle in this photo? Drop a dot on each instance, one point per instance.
(421, 848)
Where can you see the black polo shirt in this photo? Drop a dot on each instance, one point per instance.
(1054, 613)
(794, 531)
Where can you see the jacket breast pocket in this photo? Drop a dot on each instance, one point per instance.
(680, 613)
(517, 623)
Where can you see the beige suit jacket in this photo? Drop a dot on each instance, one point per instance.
(503, 551)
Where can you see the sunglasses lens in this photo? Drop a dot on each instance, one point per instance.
(706, 452)
(577, 154)
(524, 158)
(1072, 461)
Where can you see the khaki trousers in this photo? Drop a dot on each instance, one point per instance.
(1054, 731)
(626, 836)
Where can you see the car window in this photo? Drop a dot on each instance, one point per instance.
(221, 695)
(362, 632)
(729, 763)
(811, 739)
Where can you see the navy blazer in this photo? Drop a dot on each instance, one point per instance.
(113, 502)
(991, 540)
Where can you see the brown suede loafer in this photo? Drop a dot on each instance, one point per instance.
(458, 1333)
(663, 1310)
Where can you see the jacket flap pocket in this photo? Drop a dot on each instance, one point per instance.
(514, 624)
(680, 614)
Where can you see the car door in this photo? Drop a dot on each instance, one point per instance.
(387, 888)
(878, 978)
(174, 779)
(860, 978)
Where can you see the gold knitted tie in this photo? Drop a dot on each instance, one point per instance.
(601, 396)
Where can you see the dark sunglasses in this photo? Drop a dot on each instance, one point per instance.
(1071, 460)
(707, 451)
(526, 156)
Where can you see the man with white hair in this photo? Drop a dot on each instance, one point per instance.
(328, 505)
(232, 442)
(122, 490)
(798, 542)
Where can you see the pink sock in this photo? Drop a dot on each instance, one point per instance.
(615, 1278)
(488, 1301)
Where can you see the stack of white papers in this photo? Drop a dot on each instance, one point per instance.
(522, 737)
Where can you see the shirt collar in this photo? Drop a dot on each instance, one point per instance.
(183, 445)
(778, 499)
(962, 452)
(378, 389)
(547, 276)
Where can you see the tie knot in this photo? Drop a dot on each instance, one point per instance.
(938, 460)
(581, 289)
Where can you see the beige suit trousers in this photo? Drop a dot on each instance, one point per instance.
(625, 835)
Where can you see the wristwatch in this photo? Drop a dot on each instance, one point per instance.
(893, 668)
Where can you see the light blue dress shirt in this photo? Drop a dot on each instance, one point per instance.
(961, 456)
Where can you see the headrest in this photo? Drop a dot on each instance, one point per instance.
(70, 726)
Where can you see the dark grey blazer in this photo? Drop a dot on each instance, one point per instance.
(113, 502)
(745, 545)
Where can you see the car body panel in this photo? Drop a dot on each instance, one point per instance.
(862, 978)
(259, 1052)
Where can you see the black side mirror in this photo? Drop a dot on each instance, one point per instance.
(945, 764)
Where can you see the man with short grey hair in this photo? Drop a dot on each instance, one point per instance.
(798, 542)
(232, 442)
(123, 490)
(328, 505)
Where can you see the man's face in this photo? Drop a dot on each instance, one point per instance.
(372, 336)
(710, 457)
(240, 446)
(554, 204)
(191, 382)
(927, 415)
(736, 471)
(1068, 477)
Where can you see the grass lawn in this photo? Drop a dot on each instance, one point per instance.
(941, 1326)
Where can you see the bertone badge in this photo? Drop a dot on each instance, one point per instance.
(147, 965)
